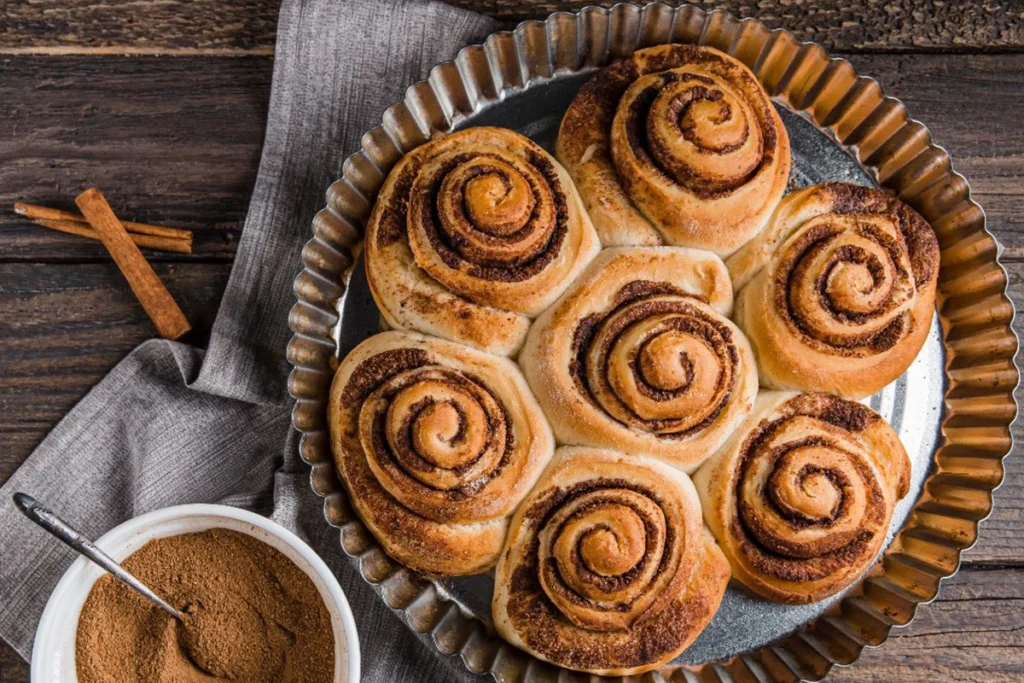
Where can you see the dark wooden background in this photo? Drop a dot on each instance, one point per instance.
(162, 104)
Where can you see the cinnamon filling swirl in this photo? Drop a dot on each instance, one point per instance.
(659, 361)
(608, 554)
(810, 503)
(493, 216)
(697, 131)
(433, 436)
(846, 285)
(607, 568)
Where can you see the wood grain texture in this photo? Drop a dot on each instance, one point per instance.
(177, 141)
(63, 326)
(974, 631)
(232, 27)
(172, 142)
(146, 26)
(858, 25)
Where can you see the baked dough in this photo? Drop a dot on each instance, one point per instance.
(638, 355)
(474, 234)
(436, 443)
(608, 567)
(801, 496)
(838, 293)
(676, 144)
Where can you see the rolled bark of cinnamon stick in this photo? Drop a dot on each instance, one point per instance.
(170, 322)
(83, 229)
(35, 212)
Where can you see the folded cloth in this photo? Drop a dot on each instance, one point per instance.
(172, 424)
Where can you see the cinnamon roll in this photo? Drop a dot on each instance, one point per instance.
(638, 355)
(474, 234)
(801, 496)
(437, 444)
(677, 144)
(608, 567)
(838, 293)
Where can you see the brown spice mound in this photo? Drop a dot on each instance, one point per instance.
(251, 615)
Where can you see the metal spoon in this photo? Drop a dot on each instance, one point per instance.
(79, 542)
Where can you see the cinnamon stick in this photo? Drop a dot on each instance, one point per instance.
(33, 211)
(147, 241)
(170, 322)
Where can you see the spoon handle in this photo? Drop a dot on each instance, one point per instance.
(45, 518)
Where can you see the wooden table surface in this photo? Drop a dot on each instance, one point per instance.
(162, 104)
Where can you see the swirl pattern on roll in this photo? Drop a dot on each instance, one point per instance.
(437, 443)
(472, 235)
(608, 568)
(838, 293)
(801, 497)
(677, 144)
(638, 355)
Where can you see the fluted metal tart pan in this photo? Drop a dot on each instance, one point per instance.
(842, 127)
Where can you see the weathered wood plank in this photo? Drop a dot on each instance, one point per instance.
(13, 669)
(178, 26)
(249, 26)
(857, 25)
(974, 631)
(62, 327)
(177, 141)
(170, 141)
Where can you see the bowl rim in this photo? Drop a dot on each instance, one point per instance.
(53, 617)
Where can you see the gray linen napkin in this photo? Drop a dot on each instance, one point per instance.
(172, 424)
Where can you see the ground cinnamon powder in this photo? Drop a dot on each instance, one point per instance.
(251, 615)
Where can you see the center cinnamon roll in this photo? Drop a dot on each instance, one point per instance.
(437, 444)
(677, 144)
(638, 355)
(474, 234)
(608, 568)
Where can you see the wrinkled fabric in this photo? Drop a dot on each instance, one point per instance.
(172, 424)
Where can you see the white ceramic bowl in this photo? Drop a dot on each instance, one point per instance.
(53, 653)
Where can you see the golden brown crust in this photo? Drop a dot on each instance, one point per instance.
(837, 294)
(436, 443)
(638, 356)
(677, 144)
(472, 235)
(801, 496)
(608, 568)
